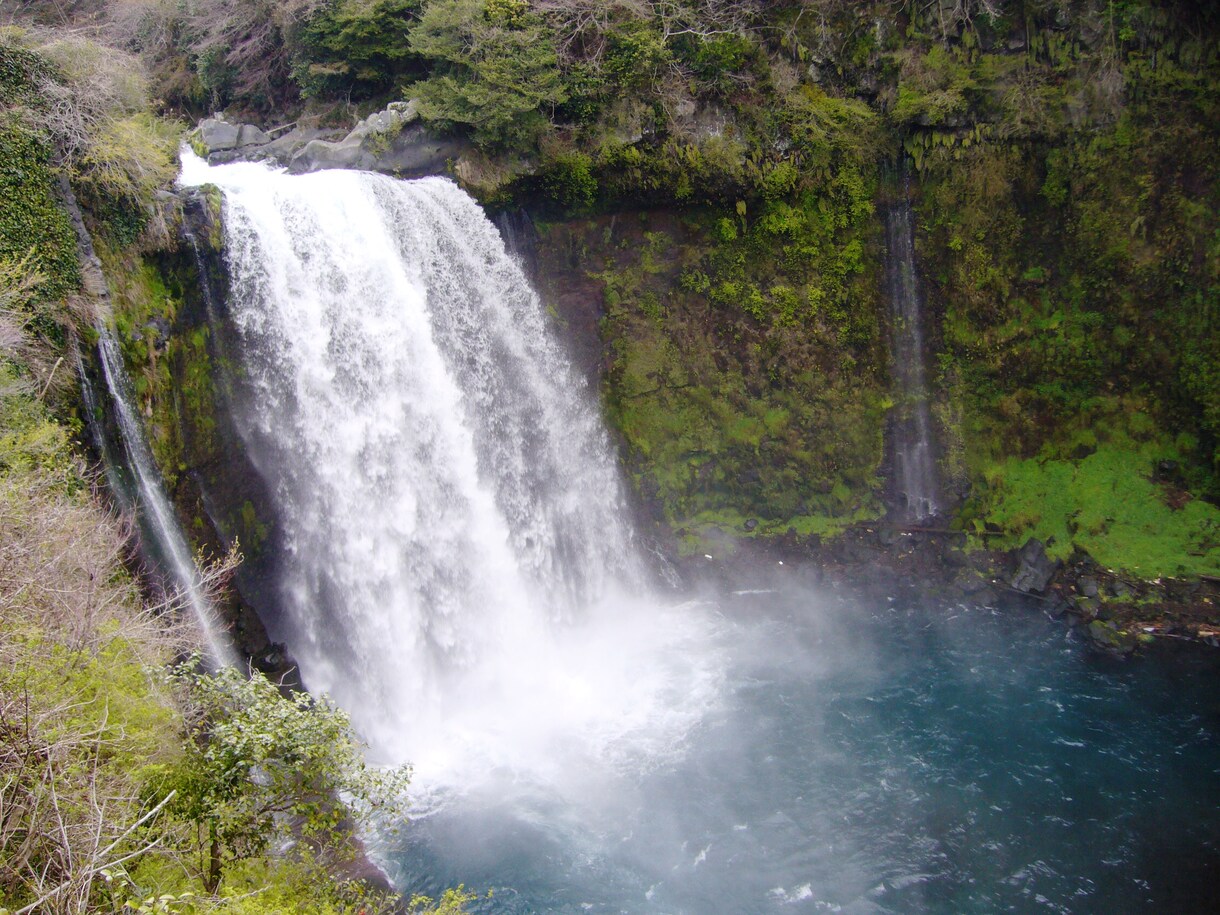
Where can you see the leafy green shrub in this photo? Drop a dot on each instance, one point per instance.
(257, 756)
(356, 46)
(568, 181)
(635, 54)
(716, 61)
(496, 78)
(30, 219)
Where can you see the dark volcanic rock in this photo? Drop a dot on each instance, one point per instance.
(218, 135)
(1087, 585)
(1110, 638)
(1034, 568)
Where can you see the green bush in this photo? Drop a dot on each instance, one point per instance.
(256, 757)
(30, 217)
(568, 181)
(497, 78)
(356, 46)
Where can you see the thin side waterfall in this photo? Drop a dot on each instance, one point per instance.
(447, 502)
(150, 502)
(133, 475)
(916, 485)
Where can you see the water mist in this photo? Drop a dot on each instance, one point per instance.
(457, 570)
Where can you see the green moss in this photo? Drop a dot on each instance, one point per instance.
(774, 414)
(1107, 505)
(30, 218)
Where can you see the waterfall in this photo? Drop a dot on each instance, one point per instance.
(163, 535)
(133, 476)
(912, 446)
(447, 503)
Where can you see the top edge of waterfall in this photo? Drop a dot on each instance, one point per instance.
(195, 171)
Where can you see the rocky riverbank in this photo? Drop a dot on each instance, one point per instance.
(1116, 614)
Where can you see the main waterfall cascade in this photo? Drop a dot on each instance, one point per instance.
(453, 567)
(914, 457)
(456, 568)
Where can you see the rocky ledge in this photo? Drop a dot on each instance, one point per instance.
(393, 142)
(1116, 614)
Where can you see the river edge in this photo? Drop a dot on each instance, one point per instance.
(1113, 613)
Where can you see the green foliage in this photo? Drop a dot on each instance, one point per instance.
(635, 54)
(30, 217)
(496, 77)
(256, 756)
(452, 902)
(716, 60)
(1108, 506)
(127, 164)
(356, 46)
(22, 76)
(30, 437)
(568, 181)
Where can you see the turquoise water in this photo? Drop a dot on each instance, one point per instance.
(875, 758)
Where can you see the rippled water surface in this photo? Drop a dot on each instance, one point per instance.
(878, 758)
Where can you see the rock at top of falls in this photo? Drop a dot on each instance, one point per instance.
(443, 485)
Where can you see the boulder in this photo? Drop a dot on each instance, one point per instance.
(289, 143)
(1087, 585)
(390, 141)
(249, 135)
(412, 152)
(1109, 638)
(972, 583)
(219, 136)
(1086, 607)
(1034, 568)
(1058, 609)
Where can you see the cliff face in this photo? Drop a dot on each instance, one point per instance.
(1065, 200)
(714, 247)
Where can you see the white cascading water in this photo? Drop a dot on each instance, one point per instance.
(911, 430)
(154, 506)
(457, 569)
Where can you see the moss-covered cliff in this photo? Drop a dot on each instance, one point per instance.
(1066, 192)
(707, 181)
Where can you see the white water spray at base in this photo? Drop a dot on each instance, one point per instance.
(455, 565)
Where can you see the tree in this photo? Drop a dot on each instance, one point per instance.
(262, 765)
(356, 46)
(496, 70)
